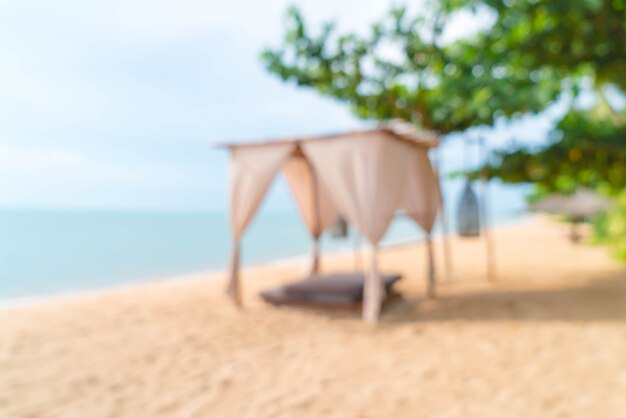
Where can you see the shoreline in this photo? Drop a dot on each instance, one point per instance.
(213, 274)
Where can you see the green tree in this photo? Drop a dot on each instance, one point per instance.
(582, 37)
(402, 69)
(533, 51)
(515, 65)
(580, 40)
(587, 149)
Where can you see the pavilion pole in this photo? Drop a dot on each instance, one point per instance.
(491, 267)
(233, 290)
(315, 260)
(356, 251)
(447, 251)
(315, 257)
(373, 289)
(431, 289)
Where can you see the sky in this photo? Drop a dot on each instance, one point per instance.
(117, 104)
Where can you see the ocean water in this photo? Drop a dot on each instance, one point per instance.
(45, 252)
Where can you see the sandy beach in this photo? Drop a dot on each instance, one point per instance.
(547, 339)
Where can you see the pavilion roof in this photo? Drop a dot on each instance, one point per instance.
(395, 129)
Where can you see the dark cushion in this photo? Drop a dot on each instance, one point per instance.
(278, 296)
(338, 285)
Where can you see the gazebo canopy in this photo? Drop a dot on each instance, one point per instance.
(399, 129)
(366, 176)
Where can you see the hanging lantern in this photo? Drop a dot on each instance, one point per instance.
(339, 228)
(469, 215)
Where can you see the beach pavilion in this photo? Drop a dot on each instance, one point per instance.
(365, 176)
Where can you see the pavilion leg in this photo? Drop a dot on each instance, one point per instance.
(447, 251)
(574, 233)
(491, 268)
(315, 258)
(373, 291)
(431, 289)
(489, 249)
(234, 290)
(356, 251)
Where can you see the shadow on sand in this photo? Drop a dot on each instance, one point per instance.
(604, 299)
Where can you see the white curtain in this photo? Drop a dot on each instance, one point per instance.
(366, 177)
(421, 199)
(313, 200)
(252, 169)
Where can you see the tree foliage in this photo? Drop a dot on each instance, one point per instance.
(582, 37)
(588, 149)
(531, 53)
(403, 70)
(610, 228)
(515, 65)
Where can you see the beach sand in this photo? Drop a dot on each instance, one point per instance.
(547, 339)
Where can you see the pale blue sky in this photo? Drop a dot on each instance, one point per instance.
(115, 104)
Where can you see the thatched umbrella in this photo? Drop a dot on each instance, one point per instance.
(579, 206)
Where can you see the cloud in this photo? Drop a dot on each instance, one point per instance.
(51, 177)
(12, 158)
(249, 19)
(116, 102)
(22, 163)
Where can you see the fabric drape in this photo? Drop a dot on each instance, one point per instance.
(252, 170)
(313, 201)
(316, 207)
(365, 176)
(422, 199)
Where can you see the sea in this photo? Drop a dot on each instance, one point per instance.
(54, 251)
